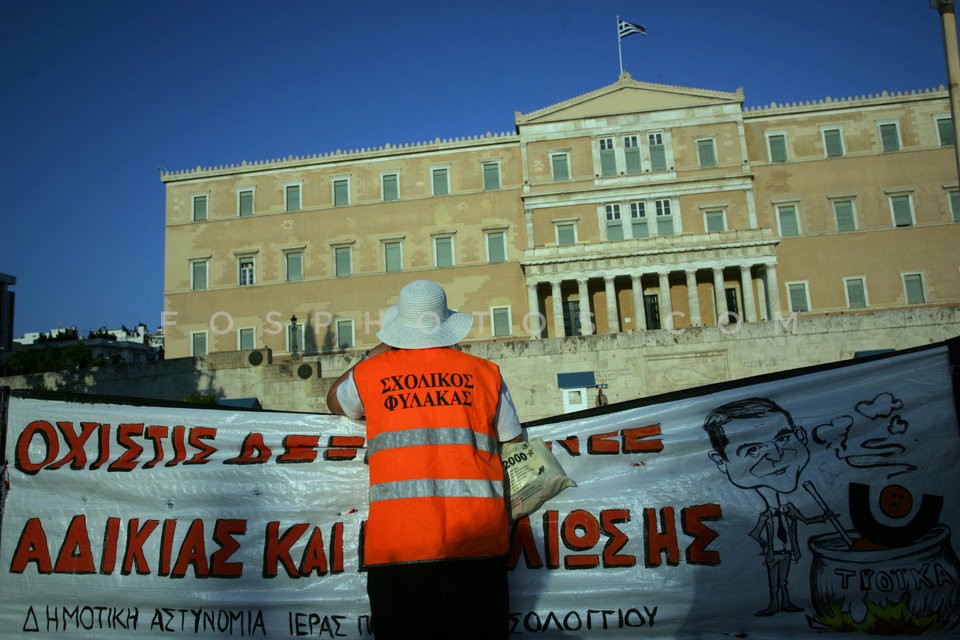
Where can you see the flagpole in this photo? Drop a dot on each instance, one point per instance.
(619, 46)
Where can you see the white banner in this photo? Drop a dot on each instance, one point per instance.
(825, 500)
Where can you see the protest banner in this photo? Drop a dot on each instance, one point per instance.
(817, 500)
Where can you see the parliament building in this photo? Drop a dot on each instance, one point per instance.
(634, 210)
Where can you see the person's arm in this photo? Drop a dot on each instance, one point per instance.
(506, 421)
(333, 402)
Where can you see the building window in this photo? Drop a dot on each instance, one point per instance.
(491, 176)
(945, 131)
(638, 220)
(294, 265)
(856, 290)
(246, 270)
(393, 256)
(560, 165)
(246, 339)
(844, 216)
(833, 142)
(707, 153)
(571, 318)
(200, 207)
(953, 197)
(566, 233)
(889, 136)
(199, 275)
(658, 151)
(913, 288)
(651, 310)
(614, 222)
(631, 153)
(901, 207)
(777, 146)
(443, 255)
(345, 334)
(341, 192)
(500, 322)
(440, 177)
(390, 186)
(496, 247)
(342, 261)
(788, 221)
(799, 297)
(608, 158)
(291, 195)
(245, 203)
(198, 343)
(714, 220)
(665, 226)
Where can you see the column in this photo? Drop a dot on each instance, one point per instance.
(535, 323)
(613, 316)
(720, 296)
(666, 304)
(746, 285)
(557, 310)
(639, 316)
(773, 291)
(693, 298)
(586, 320)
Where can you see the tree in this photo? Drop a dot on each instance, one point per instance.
(48, 358)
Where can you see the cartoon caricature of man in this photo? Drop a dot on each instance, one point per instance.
(757, 445)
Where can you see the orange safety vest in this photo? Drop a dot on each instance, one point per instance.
(436, 480)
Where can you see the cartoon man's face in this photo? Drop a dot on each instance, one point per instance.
(763, 452)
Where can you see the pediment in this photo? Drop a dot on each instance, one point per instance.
(628, 96)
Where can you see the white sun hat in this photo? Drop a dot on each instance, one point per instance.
(421, 319)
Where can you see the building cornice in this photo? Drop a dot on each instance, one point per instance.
(755, 243)
(340, 156)
(834, 104)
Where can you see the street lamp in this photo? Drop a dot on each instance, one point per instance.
(294, 343)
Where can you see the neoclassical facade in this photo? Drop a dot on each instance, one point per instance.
(637, 207)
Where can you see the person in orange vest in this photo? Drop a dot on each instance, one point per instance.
(437, 534)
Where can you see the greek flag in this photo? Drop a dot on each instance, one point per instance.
(627, 28)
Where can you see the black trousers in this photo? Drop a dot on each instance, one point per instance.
(461, 599)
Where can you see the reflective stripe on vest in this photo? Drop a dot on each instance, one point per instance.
(437, 436)
(431, 488)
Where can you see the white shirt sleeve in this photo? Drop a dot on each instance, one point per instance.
(349, 398)
(506, 420)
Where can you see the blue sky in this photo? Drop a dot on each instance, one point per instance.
(95, 95)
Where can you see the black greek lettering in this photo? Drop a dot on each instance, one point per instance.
(552, 616)
(651, 614)
(636, 612)
(536, 618)
(385, 385)
(566, 621)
